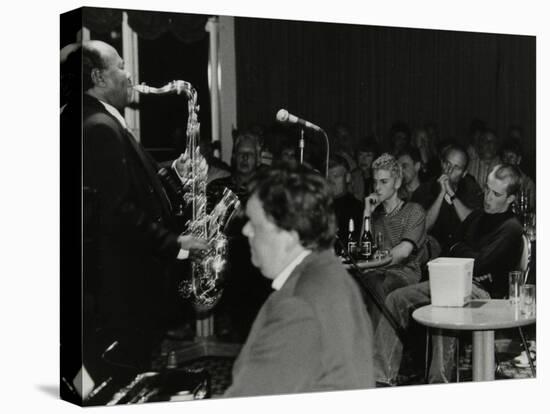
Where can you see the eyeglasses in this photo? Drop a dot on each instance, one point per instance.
(449, 167)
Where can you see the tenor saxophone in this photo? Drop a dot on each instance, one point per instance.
(205, 286)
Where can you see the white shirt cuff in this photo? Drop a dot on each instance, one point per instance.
(183, 254)
(176, 170)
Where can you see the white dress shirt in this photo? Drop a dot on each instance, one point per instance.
(281, 278)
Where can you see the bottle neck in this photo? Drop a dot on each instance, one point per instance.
(367, 224)
(351, 227)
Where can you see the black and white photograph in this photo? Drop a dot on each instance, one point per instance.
(285, 208)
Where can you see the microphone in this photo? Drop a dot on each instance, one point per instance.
(284, 116)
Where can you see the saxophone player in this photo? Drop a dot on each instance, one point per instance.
(136, 239)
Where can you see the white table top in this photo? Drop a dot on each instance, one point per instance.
(478, 315)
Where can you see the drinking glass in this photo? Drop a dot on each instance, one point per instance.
(530, 229)
(515, 280)
(528, 300)
(382, 253)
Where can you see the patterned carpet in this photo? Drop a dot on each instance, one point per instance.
(219, 369)
(507, 345)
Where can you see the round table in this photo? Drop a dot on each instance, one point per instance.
(481, 317)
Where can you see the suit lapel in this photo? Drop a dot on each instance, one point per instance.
(146, 161)
(150, 167)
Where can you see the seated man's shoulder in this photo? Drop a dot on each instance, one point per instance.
(474, 217)
(513, 224)
(320, 275)
(468, 183)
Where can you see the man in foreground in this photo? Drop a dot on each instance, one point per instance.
(313, 333)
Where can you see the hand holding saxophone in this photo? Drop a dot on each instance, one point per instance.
(197, 247)
(188, 242)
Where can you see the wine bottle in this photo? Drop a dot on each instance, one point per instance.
(352, 243)
(366, 241)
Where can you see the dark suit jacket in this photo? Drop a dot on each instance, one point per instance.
(494, 241)
(313, 334)
(136, 241)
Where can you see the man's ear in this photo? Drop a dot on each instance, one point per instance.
(511, 199)
(417, 166)
(97, 77)
(398, 183)
(348, 178)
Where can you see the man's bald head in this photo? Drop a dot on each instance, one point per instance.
(103, 74)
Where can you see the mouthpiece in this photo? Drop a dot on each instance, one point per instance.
(144, 89)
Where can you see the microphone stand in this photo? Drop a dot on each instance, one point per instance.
(328, 151)
(369, 290)
(301, 145)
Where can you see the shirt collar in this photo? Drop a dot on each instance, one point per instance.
(281, 278)
(113, 111)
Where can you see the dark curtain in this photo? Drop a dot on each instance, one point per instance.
(149, 25)
(369, 77)
(171, 46)
(164, 118)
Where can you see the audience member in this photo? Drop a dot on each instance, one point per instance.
(487, 157)
(287, 153)
(346, 206)
(245, 290)
(453, 196)
(412, 189)
(402, 225)
(511, 153)
(515, 133)
(492, 237)
(399, 137)
(477, 126)
(313, 333)
(361, 177)
(343, 143)
(216, 167)
(426, 146)
(433, 135)
(245, 160)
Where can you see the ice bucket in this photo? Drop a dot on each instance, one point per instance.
(450, 280)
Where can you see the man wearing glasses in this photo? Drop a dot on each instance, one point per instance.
(457, 196)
